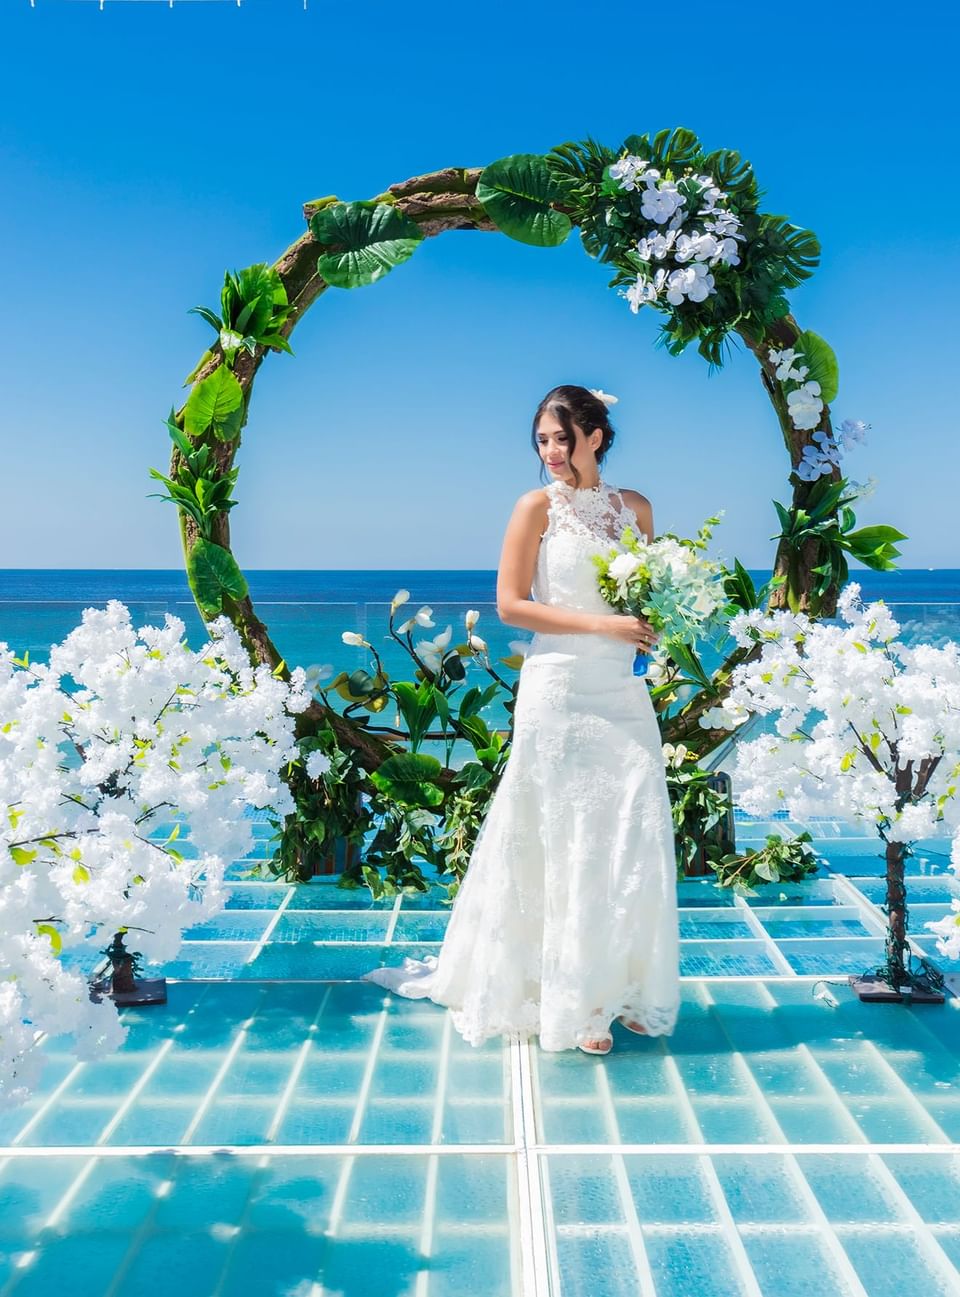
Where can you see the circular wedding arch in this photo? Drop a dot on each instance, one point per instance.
(682, 230)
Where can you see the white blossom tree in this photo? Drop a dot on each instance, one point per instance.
(867, 729)
(123, 743)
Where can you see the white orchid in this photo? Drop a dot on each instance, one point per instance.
(674, 756)
(660, 201)
(628, 170)
(694, 282)
(787, 367)
(656, 246)
(724, 224)
(853, 432)
(805, 406)
(644, 290)
(422, 617)
(432, 650)
(399, 598)
(471, 618)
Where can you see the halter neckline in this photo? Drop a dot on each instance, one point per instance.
(578, 490)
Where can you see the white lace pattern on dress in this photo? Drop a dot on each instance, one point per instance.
(567, 915)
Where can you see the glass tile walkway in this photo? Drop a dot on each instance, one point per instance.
(281, 1128)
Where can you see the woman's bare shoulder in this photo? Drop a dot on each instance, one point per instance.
(634, 498)
(642, 509)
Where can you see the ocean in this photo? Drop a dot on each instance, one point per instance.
(307, 611)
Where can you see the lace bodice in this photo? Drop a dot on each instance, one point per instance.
(580, 521)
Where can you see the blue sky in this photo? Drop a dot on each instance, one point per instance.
(145, 149)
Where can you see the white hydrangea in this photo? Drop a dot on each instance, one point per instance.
(853, 706)
(112, 752)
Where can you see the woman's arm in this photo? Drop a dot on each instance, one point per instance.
(518, 563)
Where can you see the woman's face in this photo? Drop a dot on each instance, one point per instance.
(559, 457)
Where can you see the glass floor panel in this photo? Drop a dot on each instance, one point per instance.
(735, 1224)
(278, 1126)
(276, 1224)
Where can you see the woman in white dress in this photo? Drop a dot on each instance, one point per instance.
(566, 917)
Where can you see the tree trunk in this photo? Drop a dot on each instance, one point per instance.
(896, 939)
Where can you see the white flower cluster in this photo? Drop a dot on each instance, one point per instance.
(870, 692)
(690, 252)
(124, 743)
(805, 407)
(681, 587)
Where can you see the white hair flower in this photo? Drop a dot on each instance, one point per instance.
(603, 396)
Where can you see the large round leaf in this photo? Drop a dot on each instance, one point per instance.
(819, 355)
(366, 241)
(517, 192)
(409, 777)
(213, 572)
(216, 403)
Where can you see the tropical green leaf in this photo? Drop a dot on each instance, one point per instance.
(409, 777)
(516, 192)
(216, 403)
(364, 241)
(819, 355)
(213, 572)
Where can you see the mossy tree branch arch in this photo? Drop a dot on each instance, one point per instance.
(611, 196)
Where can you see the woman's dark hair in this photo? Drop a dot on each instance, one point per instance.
(575, 405)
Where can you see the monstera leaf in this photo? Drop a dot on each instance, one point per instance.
(365, 241)
(517, 193)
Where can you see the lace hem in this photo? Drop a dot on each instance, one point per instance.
(412, 979)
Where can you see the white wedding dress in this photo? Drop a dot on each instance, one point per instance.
(566, 916)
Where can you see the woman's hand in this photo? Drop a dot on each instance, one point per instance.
(635, 630)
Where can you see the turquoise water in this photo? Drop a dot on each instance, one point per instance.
(279, 1127)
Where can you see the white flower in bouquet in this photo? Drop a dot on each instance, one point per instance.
(669, 581)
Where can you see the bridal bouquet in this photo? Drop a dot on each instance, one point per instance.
(669, 581)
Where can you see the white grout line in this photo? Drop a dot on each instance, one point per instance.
(304, 1050)
(45, 1107)
(637, 1246)
(535, 1277)
(835, 1247)
(220, 1074)
(826, 1230)
(392, 921)
(433, 1165)
(456, 1150)
(941, 1264)
(744, 978)
(913, 1102)
(135, 1089)
(731, 1233)
(773, 950)
(265, 935)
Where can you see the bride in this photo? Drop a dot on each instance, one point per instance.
(566, 917)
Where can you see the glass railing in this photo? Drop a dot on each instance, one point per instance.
(309, 633)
